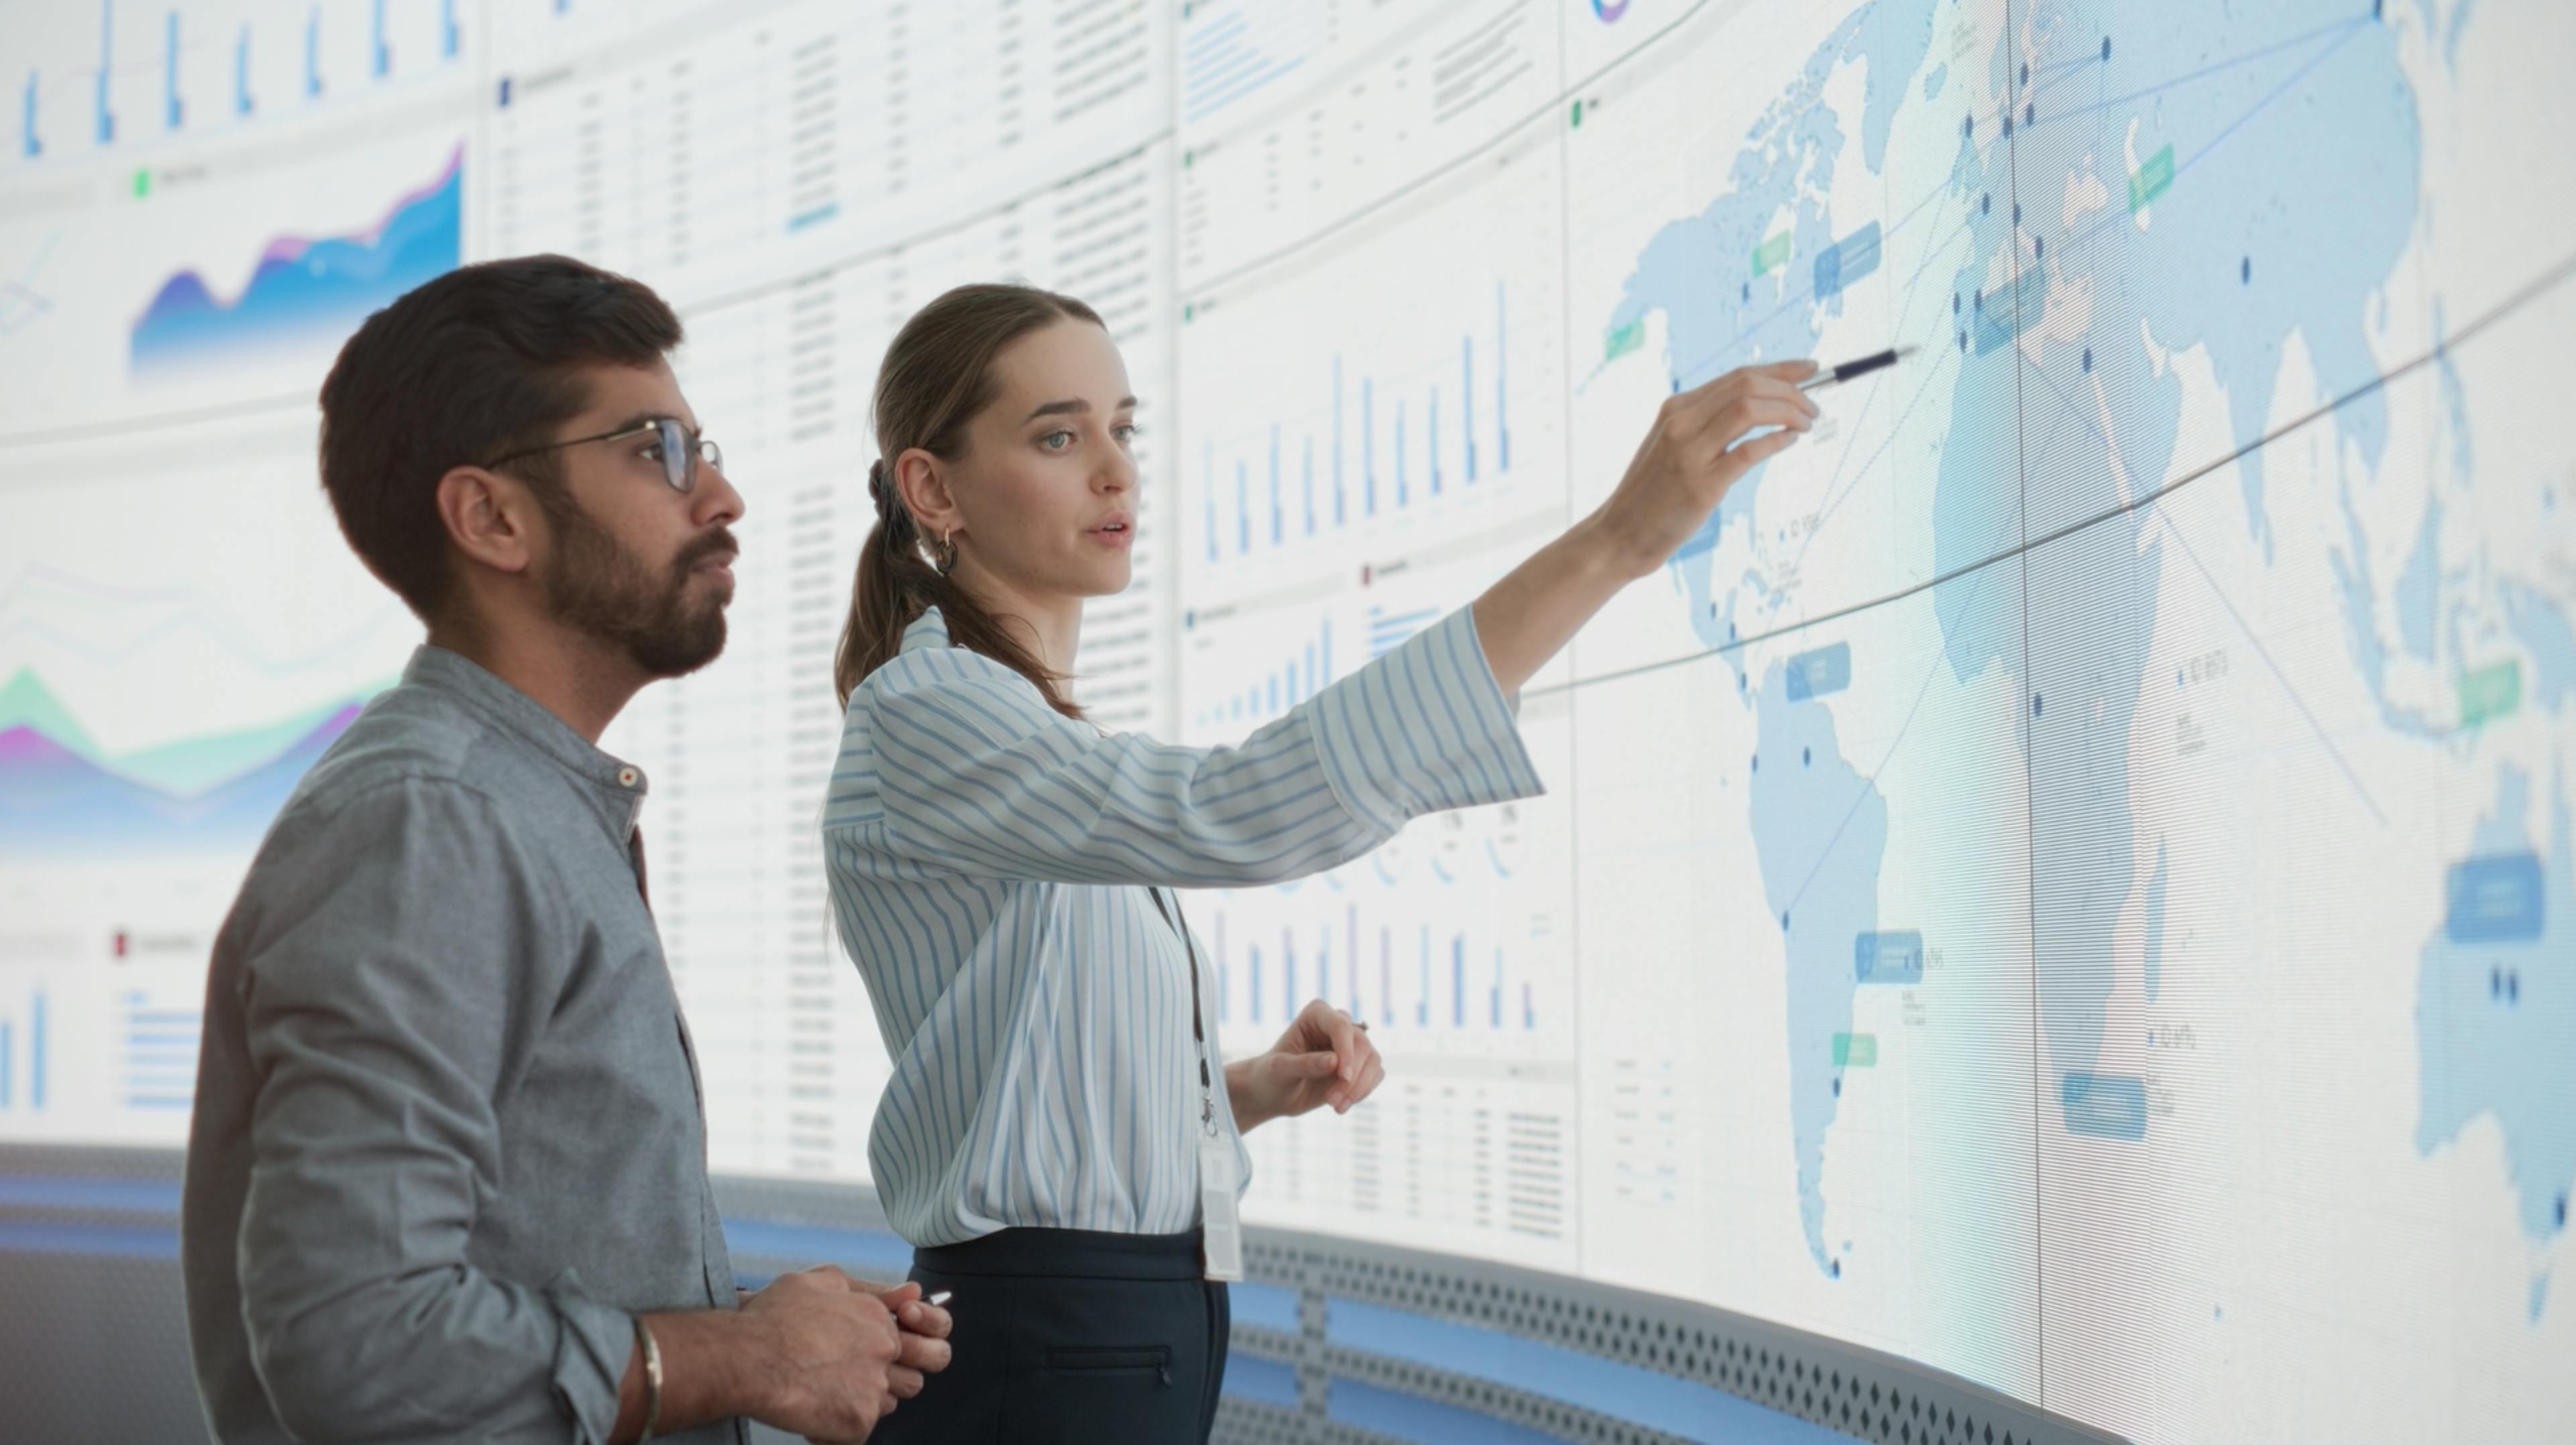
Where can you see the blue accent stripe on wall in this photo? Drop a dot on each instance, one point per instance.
(1267, 1306)
(116, 1196)
(1271, 1382)
(110, 1241)
(1410, 1417)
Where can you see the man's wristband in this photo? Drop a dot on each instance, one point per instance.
(652, 1379)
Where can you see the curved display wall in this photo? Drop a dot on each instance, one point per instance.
(2066, 884)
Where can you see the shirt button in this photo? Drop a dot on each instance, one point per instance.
(626, 777)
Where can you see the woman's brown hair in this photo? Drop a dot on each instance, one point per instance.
(937, 377)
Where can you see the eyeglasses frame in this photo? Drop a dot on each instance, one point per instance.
(699, 447)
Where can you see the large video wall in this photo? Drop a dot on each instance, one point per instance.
(2068, 878)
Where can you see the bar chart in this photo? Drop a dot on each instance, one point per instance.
(1368, 445)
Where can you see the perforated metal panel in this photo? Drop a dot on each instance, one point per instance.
(1860, 1392)
(1241, 1422)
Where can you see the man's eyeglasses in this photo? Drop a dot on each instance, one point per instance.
(677, 448)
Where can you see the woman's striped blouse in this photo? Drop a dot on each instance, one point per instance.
(989, 862)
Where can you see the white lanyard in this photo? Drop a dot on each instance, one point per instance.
(1221, 1230)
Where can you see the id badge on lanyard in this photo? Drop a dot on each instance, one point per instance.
(1220, 1227)
(1220, 1220)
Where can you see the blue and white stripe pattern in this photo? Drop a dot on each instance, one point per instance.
(989, 861)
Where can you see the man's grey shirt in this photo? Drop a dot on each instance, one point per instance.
(448, 1136)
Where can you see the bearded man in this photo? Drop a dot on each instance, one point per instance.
(447, 1174)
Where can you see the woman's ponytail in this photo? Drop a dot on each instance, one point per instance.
(890, 590)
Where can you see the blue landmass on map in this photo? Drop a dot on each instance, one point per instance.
(2294, 148)
(1820, 829)
(1699, 272)
(2153, 967)
(2494, 1016)
(2419, 587)
(2295, 190)
(2295, 153)
(2353, 578)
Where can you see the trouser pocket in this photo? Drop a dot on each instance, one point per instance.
(1151, 1361)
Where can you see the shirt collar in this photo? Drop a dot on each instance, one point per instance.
(928, 630)
(618, 786)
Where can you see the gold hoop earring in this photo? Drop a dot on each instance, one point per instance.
(947, 551)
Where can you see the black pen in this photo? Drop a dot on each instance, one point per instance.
(1851, 369)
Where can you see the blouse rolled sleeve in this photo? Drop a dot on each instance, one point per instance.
(1424, 729)
(978, 774)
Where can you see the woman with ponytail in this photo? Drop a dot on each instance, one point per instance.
(1059, 1141)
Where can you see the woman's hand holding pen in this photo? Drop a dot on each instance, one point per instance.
(1696, 450)
(1324, 1058)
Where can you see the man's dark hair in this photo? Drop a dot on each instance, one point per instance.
(481, 362)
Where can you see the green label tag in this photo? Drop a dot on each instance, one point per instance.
(2151, 180)
(1855, 1051)
(2490, 693)
(1769, 255)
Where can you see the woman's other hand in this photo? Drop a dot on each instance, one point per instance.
(1324, 1058)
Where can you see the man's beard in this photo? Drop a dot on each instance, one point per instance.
(600, 588)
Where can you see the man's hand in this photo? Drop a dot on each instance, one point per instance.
(1323, 1058)
(830, 1348)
